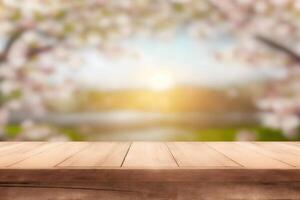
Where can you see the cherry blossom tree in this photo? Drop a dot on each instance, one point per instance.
(37, 35)
(268, 36)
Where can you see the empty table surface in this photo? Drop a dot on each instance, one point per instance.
(149, 170)
(141, 155)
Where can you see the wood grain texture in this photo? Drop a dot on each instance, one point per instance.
(2, 144)
(7, 149)
(198, 154)
(51, 157)
(100, 154)
(248, 157)
(281, 152)
(25, 152)
(149, 170)
(294, 147)
(150, 184)
(259, 155)
(149, 154)
(157, 191)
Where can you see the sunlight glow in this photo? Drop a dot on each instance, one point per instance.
(161, 81)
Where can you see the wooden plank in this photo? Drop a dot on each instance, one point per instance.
(247, 157)
(149, 184)
(155, 191)
(7, 149)
(198, 154)
(149, 154)
(280, 152)
(99, 154)
(150, 172)
(292, 143)
(2, 144)
(97, 175)
(294, 147)
(25, 152)
(51, 157)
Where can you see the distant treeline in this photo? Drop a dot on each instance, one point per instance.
(179, 99)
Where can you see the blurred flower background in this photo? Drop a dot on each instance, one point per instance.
(149, 70)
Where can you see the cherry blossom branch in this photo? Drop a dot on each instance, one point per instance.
(280, 47)
(33, 52)
(14, 37)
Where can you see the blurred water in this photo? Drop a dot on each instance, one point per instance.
(135, 125)
(128, 117)
(151, 133)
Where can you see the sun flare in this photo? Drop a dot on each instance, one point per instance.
(161, 81)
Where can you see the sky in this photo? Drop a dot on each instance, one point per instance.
(152, 63)
(157, 64)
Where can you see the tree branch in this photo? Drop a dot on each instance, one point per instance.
(14, 37)
(31, 53)
(36, 51)
(279, 47)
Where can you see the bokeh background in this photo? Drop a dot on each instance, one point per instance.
(197, 70)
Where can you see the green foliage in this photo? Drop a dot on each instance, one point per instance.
(60, 15)
(268, 134)
(68, 28)
(13, 95)
(12, 130)
(72, 134)
(229, 134)
(216, 134)
(178, 7)
(16, 16)
(38, 16)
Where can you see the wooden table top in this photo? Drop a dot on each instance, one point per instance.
(148, 155)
